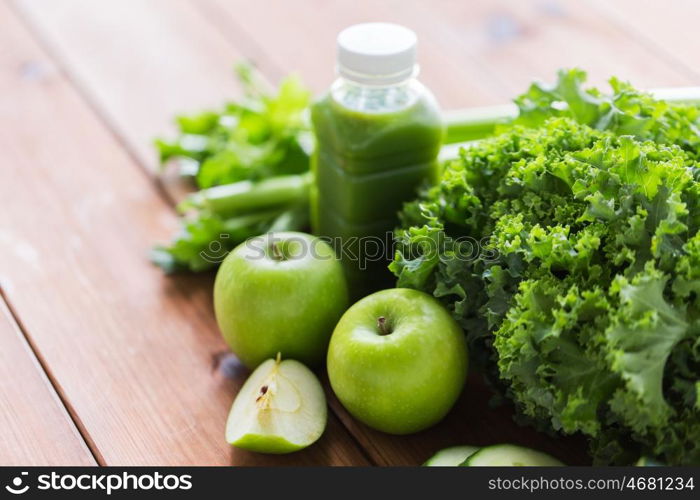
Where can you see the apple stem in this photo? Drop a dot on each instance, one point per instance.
(382, 326)
(276, 252)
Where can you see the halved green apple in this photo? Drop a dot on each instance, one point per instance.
(281, 408)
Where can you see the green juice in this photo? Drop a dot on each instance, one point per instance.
(375, 147)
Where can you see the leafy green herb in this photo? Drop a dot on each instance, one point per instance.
(259, 137)
(251, 161)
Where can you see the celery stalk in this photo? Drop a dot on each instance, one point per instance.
(476, 123)
(469, 124)
(248, 196)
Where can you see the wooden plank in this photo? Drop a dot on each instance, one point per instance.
(131, 349)
(140, 63)
(300, 37)
(35, 428)
(666, 29)
(524, 40)
(474, 53)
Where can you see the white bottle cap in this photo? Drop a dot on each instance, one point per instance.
(376, 53)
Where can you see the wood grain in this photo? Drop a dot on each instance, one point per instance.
(35, 428)
(130, 349)
(518, 41)
(306, 45)
(667, 29)
(471, 53)
(140, 63)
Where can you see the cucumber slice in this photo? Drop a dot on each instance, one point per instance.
(647, 462)
(510, 455)
(281, 408)
(451, 457)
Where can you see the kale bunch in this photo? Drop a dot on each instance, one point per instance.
(568, 249)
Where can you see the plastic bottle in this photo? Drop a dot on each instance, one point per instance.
(378, 131)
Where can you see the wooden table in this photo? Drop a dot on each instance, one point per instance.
(103, 360)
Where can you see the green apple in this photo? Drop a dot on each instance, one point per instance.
(280, 292)
(281, 408)
(397, 361)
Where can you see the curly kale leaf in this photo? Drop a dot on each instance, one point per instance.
(624, 111)
(583, 301)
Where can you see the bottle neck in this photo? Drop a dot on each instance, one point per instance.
(375, 98)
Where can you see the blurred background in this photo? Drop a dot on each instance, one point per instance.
(103, 359)
(141, 61)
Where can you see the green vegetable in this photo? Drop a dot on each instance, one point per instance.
(647, 462)
(581, 298)
(451, 457)
(259, 137)
(252, 160)
(625, 111)
(247, 196)
(510, 455)
(476, 123)
(205, 239)
(224, 216)
(563, 99)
